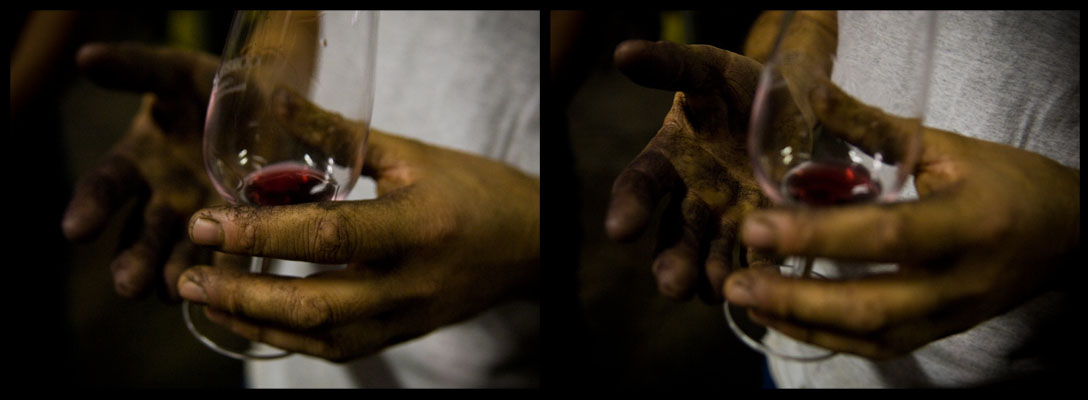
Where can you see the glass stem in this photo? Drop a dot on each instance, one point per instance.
(260, 265)
(807, 270)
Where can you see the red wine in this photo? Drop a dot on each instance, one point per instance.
(826, 184)
(287, 183)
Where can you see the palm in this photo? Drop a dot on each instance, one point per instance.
(698, 156)
(158, 161)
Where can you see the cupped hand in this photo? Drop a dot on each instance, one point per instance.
(994, 226)
(450, 235)
(698, 157)
(158, 162)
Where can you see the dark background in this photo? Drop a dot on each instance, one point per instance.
(603, 325)
(72, 329)
(619, 331)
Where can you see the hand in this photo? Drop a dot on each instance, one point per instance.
(159, 162)
(450, 235)
(698, 156)
(994, 226)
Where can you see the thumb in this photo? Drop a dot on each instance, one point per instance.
(336, 136)
(892, 137)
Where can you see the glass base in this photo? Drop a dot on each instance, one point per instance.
(221, 339)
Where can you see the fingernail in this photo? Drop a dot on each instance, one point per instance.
(130, 273)
(191, 290)
(70, 225)
(120, 270)
(759, 232)
(738, 290)
(613, 226)
(665, 284)
(206, 232)
(79, 221)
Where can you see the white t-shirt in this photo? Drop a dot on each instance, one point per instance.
(468, 81)
(1008, 77)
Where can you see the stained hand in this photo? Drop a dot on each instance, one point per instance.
(450, 235)
(698, 156)
(994, 226)
(159, 162)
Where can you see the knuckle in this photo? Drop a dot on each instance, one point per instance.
(249, 238)
(311, 313)
(233, 301)
(332, 237)
(696, 212)
(672, 123)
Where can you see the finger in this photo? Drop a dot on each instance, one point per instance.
(720, 261)
(636, 192)
(184, 255)
(680, 244)
(325, 233)
(715, 83)
(286, 302)
(98, 195)
(364, 341)
(335, 135)
(390, 159)
(314, 344)
(827, 339)
(857, 307)
(686, 68)
(869, 128)
(724, 254)
(908, 231)
(156, 230)
(141, 68)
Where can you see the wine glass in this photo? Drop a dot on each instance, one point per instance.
(800, 163)
(287, 123)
